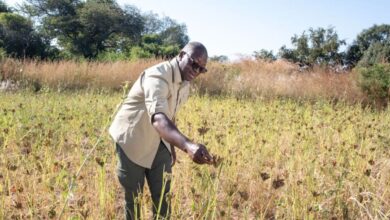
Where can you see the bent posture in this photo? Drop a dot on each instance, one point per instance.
(144, 133)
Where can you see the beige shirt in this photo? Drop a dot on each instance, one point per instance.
(158, 89)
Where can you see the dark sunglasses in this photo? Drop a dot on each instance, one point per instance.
(195, 66)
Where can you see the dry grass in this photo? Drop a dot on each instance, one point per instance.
(280, 78)
(70, 75)
(245, 78)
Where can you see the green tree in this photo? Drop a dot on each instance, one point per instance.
(167, 33)
(316, 46)
(170, 51)
(371, 46)
(264, 55)
(4, 7)
(152, 46)
(219, 58)
(87, 27)
(19, 39)
(375, 83)
(378, 52)
(138, 52)
(174, 33)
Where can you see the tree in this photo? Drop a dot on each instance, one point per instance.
(378, 52)
(220, 58)
(4, 7)
(19, 38)
(162, 38)
(152, 46)
(318, 46)
(375, 83)
(169, 31)
(371, 46)
(174, 33)
(153, 24)
(264, 55)
(87, 27)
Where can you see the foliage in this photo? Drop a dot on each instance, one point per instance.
(112, 56)
(153, 47)
(319, 46)
(378, 52)
(371, 46)
(168, 30)
(170, 51)
(3, 54)
(4, 7)
(87, 28)
(19, 39)
(219, 58)
(264, 55)
(175, 35)
(163, 38)
(375, 82)
(139, 53)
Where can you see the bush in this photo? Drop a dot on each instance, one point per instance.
(375, 83)
(139, 53)
(376, 53)
(112, 56)
(3, 54)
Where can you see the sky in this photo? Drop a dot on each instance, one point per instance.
(237, 28)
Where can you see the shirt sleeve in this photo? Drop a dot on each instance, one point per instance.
(156, 90)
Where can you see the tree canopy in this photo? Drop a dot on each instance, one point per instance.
(101, 29)
(371, 46)
(92, 27)
(264, 55)
(4, 7)
(86, 28)
(18, 37)
(316, 46)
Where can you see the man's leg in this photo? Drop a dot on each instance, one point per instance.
(132, 177)
(157, 183)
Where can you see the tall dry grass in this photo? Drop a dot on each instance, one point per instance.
(247, 78)
(280, 78)
(70, 75)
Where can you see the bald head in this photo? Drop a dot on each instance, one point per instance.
(196, 48)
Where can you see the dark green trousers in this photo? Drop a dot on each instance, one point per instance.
(132, 178)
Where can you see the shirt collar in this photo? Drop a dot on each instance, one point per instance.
(176, 71)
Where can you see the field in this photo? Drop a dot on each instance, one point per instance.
(282, 158)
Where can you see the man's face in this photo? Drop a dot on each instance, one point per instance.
(192, 64)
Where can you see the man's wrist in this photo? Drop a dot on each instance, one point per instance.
(187, 145)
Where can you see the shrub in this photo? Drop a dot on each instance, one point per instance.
(375, 83)
(112, 56)
(139, 53)
(3, 54)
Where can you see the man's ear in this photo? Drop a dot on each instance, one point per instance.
(181, 54)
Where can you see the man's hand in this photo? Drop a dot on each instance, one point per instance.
(198, 153)
(169, 132)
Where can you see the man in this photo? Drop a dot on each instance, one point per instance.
(144, 131)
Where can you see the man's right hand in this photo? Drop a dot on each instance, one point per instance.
(198, 153)
(169, 132)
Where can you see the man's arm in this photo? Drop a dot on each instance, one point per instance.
(169, 132)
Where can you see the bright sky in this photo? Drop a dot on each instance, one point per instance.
(232, 27)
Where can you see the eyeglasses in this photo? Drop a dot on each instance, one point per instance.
(195, 66)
